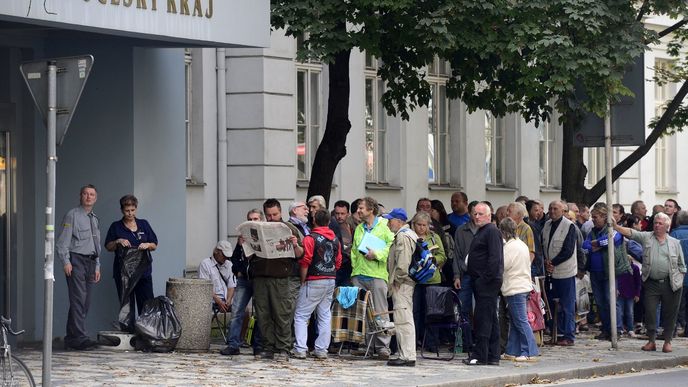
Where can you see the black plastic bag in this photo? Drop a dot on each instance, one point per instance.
(132, 266)
(440, 305)
(158, 329)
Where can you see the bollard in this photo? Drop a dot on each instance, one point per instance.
(193, 304)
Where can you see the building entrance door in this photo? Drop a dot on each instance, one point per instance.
(6, 279)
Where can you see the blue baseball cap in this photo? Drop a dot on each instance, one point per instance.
(396, 213)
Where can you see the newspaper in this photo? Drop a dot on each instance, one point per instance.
(267, 239)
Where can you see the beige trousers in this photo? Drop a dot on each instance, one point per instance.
(403, 321)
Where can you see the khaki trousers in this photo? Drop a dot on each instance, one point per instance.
(402, 299)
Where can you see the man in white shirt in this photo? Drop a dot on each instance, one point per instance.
(218, 269)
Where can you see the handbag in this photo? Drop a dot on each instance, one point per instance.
(534, 311)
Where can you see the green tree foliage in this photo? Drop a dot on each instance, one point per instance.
(526, 56)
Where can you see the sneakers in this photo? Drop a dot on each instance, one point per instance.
(281, 357)
(631, 334)
(523, 359)
(298, 355)
(506, 356)
(229, 351)
(320, 355)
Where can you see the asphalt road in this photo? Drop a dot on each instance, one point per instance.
(657, 378)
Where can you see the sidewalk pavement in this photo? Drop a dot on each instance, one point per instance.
(103, 367)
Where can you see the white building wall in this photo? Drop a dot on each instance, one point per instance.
(261, 117)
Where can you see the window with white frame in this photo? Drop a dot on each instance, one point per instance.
(188, 99)
(663, 93)
(307, 114)
(548, 156)
(438, 124)
(593, 162)
(375, 123)
(494, 149)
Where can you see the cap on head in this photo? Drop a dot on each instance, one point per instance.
(396, 213)
(225, 247)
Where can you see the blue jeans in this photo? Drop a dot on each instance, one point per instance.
(521, 341)
(565, 290)
(466, 298)
(315, 295)
(624, 314)
(600, 290)
(242, 294)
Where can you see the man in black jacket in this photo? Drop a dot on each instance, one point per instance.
(486, 268)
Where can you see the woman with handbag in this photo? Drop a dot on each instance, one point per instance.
(126, 234)
(516, 287)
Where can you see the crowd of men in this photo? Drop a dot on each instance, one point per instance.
(567, 245)
(491, 259)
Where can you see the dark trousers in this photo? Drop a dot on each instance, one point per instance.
(274, 300)
(143, 291)
(657, 291)
(79, 288)
(486, 347)
(565, 290)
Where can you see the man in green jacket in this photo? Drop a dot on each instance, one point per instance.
(369, 263)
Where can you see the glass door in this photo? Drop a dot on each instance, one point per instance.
(5, 278)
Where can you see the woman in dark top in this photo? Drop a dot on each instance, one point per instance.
(127, 233)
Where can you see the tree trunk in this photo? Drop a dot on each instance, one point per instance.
(332, 147)
(594, 193)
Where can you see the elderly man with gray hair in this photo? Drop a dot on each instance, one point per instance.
(663, 271)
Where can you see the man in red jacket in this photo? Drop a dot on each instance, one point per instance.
(318, 269)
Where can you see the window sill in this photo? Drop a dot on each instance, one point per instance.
(305, 184)
(444, 187)
(194, 183)
(667, 191)
(499, 188)
(383, 187)
(550, 189)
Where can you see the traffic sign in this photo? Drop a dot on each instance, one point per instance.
(72, 73)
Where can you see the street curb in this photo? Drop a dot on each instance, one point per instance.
(579, 373)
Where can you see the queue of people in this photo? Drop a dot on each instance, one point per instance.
(483, 255)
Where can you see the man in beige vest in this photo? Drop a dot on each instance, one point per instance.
(559, 244)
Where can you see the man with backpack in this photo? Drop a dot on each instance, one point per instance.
(401, 286)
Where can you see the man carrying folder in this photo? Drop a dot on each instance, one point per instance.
(370, 247)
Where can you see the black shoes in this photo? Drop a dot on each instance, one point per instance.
(229, 351)
(85, 345)
(473, 362)
(603, 336)
(401, 363)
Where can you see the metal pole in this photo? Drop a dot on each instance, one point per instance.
(610, 229)
(48, 270)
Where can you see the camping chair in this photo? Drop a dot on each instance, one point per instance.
(442, 312)
(349, 325)
(377, 326)
(219, 322)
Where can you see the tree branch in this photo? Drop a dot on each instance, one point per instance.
(641, 11)
(672, 28)
(599, 188)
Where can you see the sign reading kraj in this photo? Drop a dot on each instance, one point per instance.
(195, 22)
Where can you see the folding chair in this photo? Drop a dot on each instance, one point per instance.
(219, 323)
(442, 312)
(349, 325)
(378, 326)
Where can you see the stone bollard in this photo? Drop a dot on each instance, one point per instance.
(192, 302)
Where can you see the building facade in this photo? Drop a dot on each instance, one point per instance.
(276, 114)
(127, 134)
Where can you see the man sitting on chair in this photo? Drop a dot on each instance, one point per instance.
(218, 269)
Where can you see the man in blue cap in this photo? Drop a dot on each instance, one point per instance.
(401, 285)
